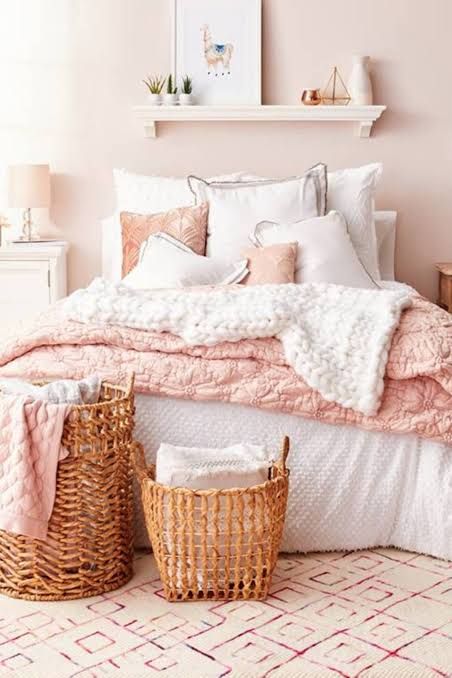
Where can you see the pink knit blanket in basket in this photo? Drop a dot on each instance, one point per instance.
(30, 449)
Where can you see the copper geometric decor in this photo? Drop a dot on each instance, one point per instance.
(335, 92)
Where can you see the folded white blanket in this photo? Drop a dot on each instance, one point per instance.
(336, 338)
(240, 465)
(83, 392)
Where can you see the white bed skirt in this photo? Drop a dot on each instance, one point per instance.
(349, 489)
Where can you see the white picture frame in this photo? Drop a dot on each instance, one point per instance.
(229, 72)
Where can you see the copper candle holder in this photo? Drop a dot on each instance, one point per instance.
(311, 97)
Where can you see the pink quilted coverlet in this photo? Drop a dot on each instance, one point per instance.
(418, 387)
(30, 448)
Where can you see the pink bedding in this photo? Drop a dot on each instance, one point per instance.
(418, 385)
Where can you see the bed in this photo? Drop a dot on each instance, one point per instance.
(352, 486)
(356, 481)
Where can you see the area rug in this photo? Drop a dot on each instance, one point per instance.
(378, 613)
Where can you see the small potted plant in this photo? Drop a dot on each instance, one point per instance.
(186, 96)
(170, 97)
(155, 84)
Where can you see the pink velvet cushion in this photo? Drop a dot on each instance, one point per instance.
(187, 224)
(273, 265)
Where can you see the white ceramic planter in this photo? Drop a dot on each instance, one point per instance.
(154, 99)
(186, 99)
(170, 99)
(360, 84)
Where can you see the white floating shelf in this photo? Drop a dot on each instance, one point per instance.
(363, 116)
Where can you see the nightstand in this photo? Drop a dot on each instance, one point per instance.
(32, 276)
(445, 286)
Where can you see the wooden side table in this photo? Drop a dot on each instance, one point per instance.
(445, 286)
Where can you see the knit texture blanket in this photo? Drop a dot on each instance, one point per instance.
(336, 338)
(30, 448)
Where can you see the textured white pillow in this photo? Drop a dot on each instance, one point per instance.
(152, 194)
(166, 262)
(235, 208)
(352, 193)
(325, 251)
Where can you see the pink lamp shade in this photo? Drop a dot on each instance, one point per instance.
(28, 186)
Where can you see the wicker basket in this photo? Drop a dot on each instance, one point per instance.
(215, 544)
(89, 547)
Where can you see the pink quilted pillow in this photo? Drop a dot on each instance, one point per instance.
(186, 224)
(273, 265)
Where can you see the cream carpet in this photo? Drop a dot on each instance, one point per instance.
(374, 613)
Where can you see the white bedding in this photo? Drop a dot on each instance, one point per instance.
(349, 488)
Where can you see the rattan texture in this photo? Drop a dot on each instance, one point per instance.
(89, 547)
(215, 544)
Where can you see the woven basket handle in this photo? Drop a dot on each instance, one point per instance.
(285, 452)
(130, 384)
(139, 461)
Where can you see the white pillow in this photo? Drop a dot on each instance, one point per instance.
(235, 208)
(166, 262)
(325, 251)
(352, 193)
(385, 227)
(152, 194)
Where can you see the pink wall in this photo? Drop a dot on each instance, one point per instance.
(70, 72)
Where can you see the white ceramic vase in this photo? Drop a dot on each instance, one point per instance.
(154, 99)
(170, 99)
(186, 99)
(359, 84)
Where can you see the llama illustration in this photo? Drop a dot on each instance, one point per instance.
(214, 53)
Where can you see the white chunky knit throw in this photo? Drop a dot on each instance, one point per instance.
(336, 338)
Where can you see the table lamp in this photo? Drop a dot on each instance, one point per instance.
(28, 188)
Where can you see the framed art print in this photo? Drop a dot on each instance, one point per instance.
(218, 43)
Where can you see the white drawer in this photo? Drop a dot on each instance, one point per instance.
(24, 289)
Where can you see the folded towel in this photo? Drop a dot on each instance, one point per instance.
(30, 448)
(81, 392)
(240, 465)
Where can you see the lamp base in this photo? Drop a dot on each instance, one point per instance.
(28, 231)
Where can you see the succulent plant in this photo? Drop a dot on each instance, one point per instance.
(187, 85)
(155, 83)
(170, 89)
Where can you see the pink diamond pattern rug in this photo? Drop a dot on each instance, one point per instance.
(378, 613)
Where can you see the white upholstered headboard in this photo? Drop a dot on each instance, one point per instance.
(111, 248)
(385, 226)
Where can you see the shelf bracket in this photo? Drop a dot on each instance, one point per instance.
(150, 129)
(364, 129)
